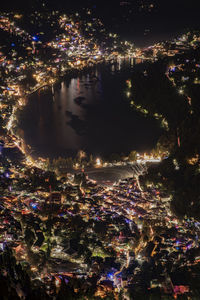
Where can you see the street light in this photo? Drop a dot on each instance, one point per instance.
(181, 91)
(98, 162)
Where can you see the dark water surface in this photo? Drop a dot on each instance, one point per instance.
(91, 113)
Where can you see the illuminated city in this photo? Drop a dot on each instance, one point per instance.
(99, 150)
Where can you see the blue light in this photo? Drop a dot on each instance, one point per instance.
(66, 281)
(127, 221)
(110, 276)
(34, 205)
(13, 44)
(35, 38)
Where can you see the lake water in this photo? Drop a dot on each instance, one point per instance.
(90, 112)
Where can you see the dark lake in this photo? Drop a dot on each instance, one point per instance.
(90, 112)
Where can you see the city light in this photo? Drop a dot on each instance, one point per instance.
(98, 162)
(88, 226)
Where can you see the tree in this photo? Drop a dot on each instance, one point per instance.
(115, 157)
(91, 160)
(81, 155)
(65, 292)
(29, 236)
(132, 156)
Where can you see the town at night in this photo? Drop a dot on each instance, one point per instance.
(99, 150)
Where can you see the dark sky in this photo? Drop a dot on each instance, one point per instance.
(167, 18)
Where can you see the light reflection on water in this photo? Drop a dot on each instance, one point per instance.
(89, 113)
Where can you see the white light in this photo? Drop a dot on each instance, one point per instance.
(181, 91)
(98, 162)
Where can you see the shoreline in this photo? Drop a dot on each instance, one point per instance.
(69, 74)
